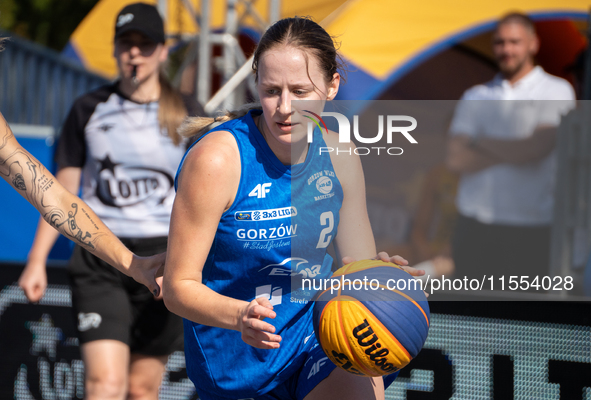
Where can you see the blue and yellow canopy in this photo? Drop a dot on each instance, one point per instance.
(381, 39)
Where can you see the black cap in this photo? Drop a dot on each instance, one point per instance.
(143, 18)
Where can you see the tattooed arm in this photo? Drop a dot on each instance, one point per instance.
(58, 215)
(68, 214)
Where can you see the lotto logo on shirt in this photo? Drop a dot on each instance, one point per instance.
(121, 185)
(264, 215)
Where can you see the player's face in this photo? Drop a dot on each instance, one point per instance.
(514, 47)
(286, 74)
(133, 49)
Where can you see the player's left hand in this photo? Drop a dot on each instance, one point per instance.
(148, 271)
(398, 260)
(382, 255)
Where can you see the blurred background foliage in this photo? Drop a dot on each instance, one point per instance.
(47, 22)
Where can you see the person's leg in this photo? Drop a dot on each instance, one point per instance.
(104, 316)
(145, 376)
(155, 332)
(106, 369)
(343, 385)
(319, 378)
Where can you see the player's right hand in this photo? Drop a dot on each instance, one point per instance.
(33, 281)
(255, 331)
(148, 271)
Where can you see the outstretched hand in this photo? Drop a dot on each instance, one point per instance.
(255, 331)
(148, 271)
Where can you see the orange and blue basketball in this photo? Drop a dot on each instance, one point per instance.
(376, 324)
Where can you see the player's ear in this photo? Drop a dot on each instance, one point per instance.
(333, 86)
(534, 45)
(163, 54)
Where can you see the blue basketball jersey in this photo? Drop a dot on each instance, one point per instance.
(273, 237)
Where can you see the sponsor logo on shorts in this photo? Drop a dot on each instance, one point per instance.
(316, 367)
(88, 321)
(377, 353)
(264, 215)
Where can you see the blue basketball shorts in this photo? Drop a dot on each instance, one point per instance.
(314, 370)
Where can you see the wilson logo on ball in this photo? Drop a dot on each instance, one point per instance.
(375, 351)
(371, 330)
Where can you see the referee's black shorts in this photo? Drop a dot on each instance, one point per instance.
(111, 305)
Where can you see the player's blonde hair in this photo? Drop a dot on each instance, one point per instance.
(171, 108)
(197, 126)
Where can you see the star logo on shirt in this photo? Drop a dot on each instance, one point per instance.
(106, 163)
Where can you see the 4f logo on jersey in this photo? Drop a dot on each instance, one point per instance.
(260, 191)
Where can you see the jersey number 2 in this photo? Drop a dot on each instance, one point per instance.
(326, 218)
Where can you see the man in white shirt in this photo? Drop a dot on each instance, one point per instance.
(502, 143)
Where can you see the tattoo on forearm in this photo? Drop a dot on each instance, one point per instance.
(12, 170)
(30, 177)
(22, 170)
(45, 183)
(69, 227)
(19, 182)
(90, 219)
(7, 135)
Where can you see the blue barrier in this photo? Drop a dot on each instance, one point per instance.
(37, 85)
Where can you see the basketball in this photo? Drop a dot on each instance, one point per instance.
(376, 322)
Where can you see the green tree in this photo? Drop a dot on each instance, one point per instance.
(48, 22)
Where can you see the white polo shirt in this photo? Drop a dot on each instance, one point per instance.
(505, 193)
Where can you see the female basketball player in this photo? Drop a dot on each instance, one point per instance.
(39, 187)
(121, 140)
(257, 204)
